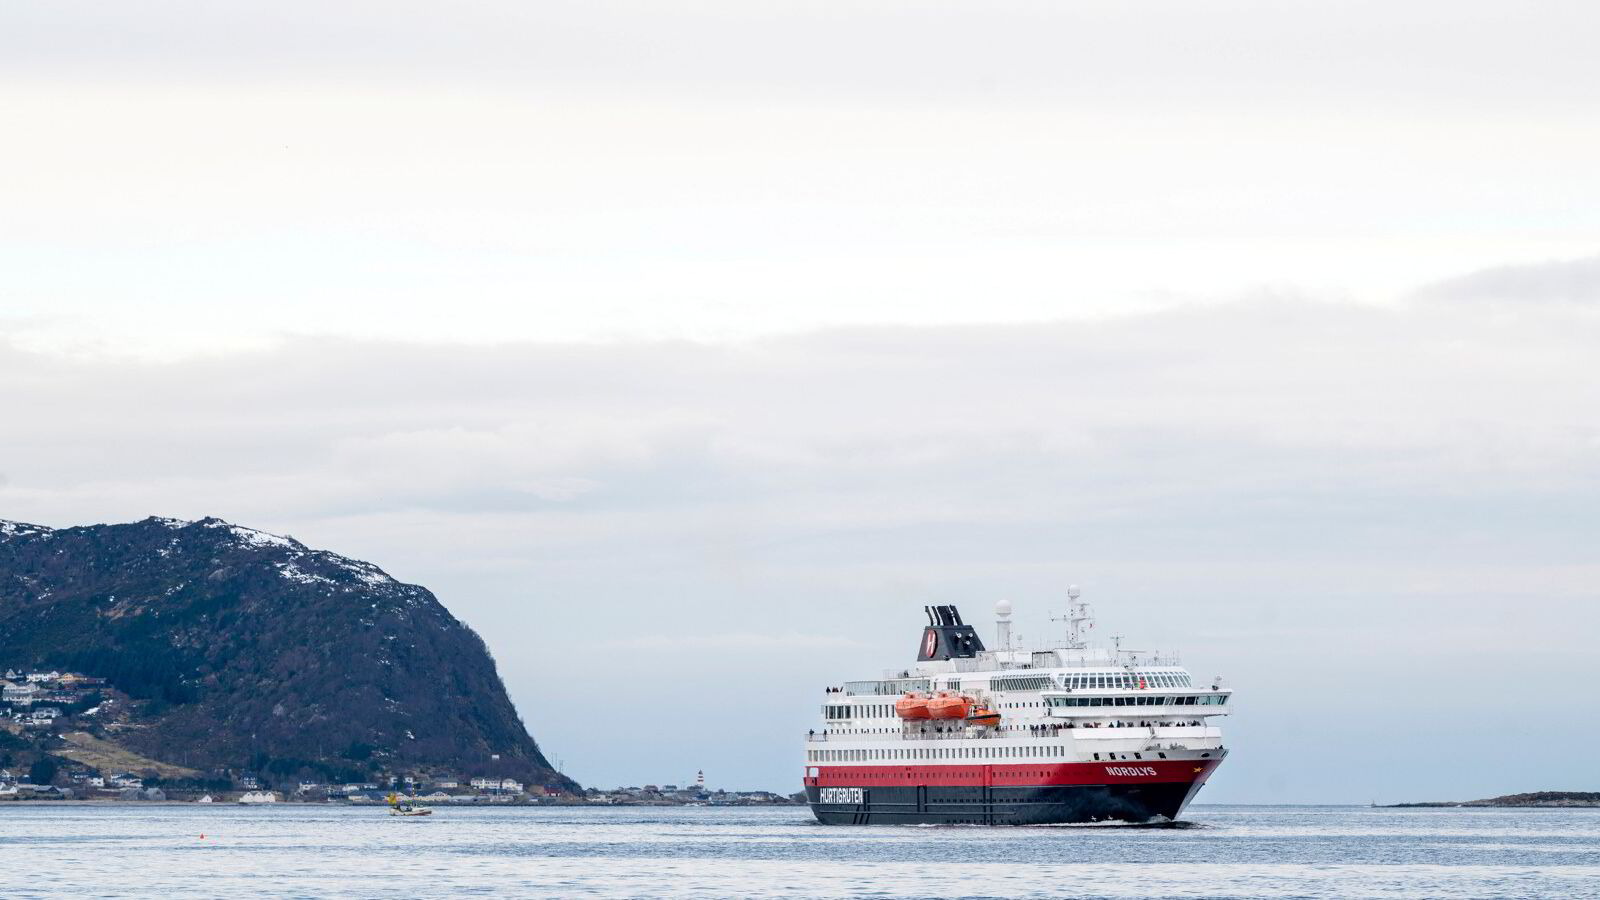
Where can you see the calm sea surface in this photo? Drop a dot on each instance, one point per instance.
(1225, 851)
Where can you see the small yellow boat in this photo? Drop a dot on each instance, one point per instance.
(397, 807)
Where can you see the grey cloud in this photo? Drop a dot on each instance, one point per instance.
(1575, 281)
(1294, 481)
(1244, 50)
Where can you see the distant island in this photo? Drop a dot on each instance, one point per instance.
(1536, 800)
(179, 659)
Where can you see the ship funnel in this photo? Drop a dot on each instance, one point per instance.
(946, 637)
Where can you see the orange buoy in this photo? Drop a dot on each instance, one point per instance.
(949, 706)
(911, 706)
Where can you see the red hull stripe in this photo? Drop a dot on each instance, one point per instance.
(1016, 775)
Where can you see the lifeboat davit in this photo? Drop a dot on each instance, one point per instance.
(911, 706)
(983, 717)
(949, 706)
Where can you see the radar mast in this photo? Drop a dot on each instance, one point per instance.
(1078, 619)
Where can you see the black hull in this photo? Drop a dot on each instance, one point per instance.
(1042, 805)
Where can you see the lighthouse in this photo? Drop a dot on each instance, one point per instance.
(700, 781)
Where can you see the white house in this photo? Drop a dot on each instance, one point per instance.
(42, 677)
(19, 693)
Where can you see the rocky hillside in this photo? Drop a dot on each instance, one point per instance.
(246, 651)
(1536, 800)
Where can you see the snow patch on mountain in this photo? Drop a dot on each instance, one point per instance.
(294, 573)
(363, 571)
(9, 528)
(253, 538)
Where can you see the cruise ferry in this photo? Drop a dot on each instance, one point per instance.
(1008, 736)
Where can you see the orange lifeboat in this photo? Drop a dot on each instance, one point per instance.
(983, 717)
(911, 706)
(949, 706)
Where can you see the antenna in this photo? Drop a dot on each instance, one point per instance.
(1077, 615)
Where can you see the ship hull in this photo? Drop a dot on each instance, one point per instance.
(1158, 798)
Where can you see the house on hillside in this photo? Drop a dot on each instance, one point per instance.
(20, 694)
(43, 677)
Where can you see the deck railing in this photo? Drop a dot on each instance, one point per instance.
(1106, 731)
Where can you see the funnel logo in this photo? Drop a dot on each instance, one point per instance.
(930, 642)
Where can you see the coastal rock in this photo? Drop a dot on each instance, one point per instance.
(251, 651)
(1535, 800)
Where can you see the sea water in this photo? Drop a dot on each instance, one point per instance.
(135, 850)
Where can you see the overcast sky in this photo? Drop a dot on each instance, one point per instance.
(687, 350)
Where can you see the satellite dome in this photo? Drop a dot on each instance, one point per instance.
(1003, 609)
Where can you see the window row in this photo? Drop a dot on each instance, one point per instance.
(892, 687)
(857, 710)
(1126, 680)
(1022, 683)
(1142, 700)
(992, 751)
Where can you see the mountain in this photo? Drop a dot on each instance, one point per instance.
(242, 651)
